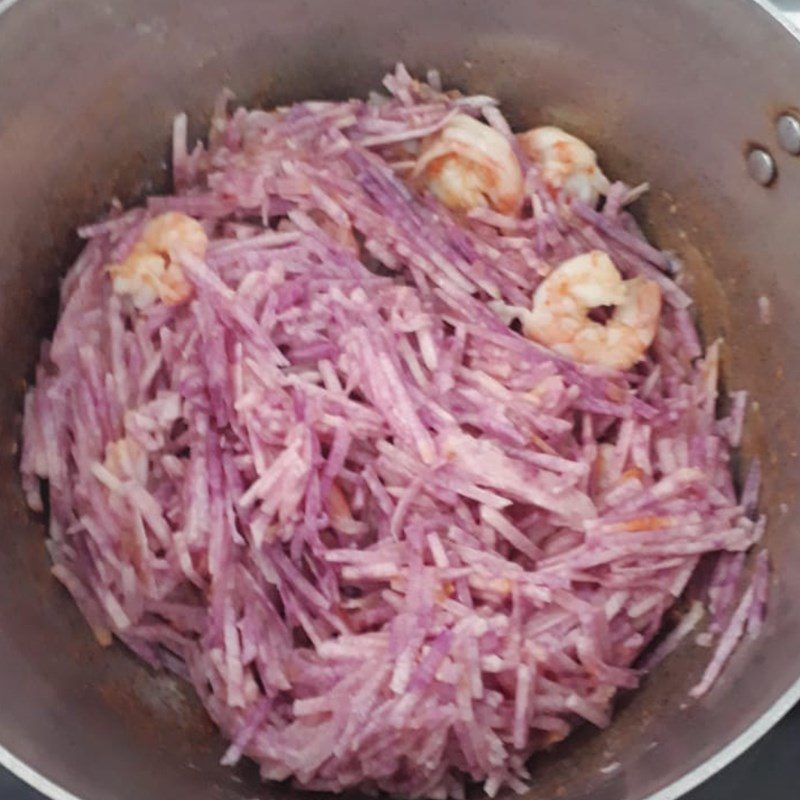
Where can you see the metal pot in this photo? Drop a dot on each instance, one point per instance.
(674, 92)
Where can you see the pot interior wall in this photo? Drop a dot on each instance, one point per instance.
(660, 89)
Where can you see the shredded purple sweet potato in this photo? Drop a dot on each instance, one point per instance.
(391, 542)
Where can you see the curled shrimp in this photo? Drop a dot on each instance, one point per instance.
(468, 164)
(152, 270)
(562, 302)
(567, 163)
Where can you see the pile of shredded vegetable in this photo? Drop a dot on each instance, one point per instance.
(315, 469)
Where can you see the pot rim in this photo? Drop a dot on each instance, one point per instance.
(702, 772)
(679, 787)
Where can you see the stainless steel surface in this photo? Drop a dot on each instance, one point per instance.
(787, 129)
(86, 100)
(788, 10)
(761, 166)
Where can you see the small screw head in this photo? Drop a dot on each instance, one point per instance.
(761, 166)
(787, 128)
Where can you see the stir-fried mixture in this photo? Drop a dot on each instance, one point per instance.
(390, 432)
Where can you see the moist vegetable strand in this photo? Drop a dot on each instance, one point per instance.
(307, 460)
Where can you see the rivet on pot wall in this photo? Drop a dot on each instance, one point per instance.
(761, 166)
(787, 127)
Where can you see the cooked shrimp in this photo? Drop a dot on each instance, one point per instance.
(567, 163)
(125, 459)
(469, 164)
(339, 231)
(341, 516)
(152, 270)
(561, 305)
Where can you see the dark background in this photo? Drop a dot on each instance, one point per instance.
(770, 770)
